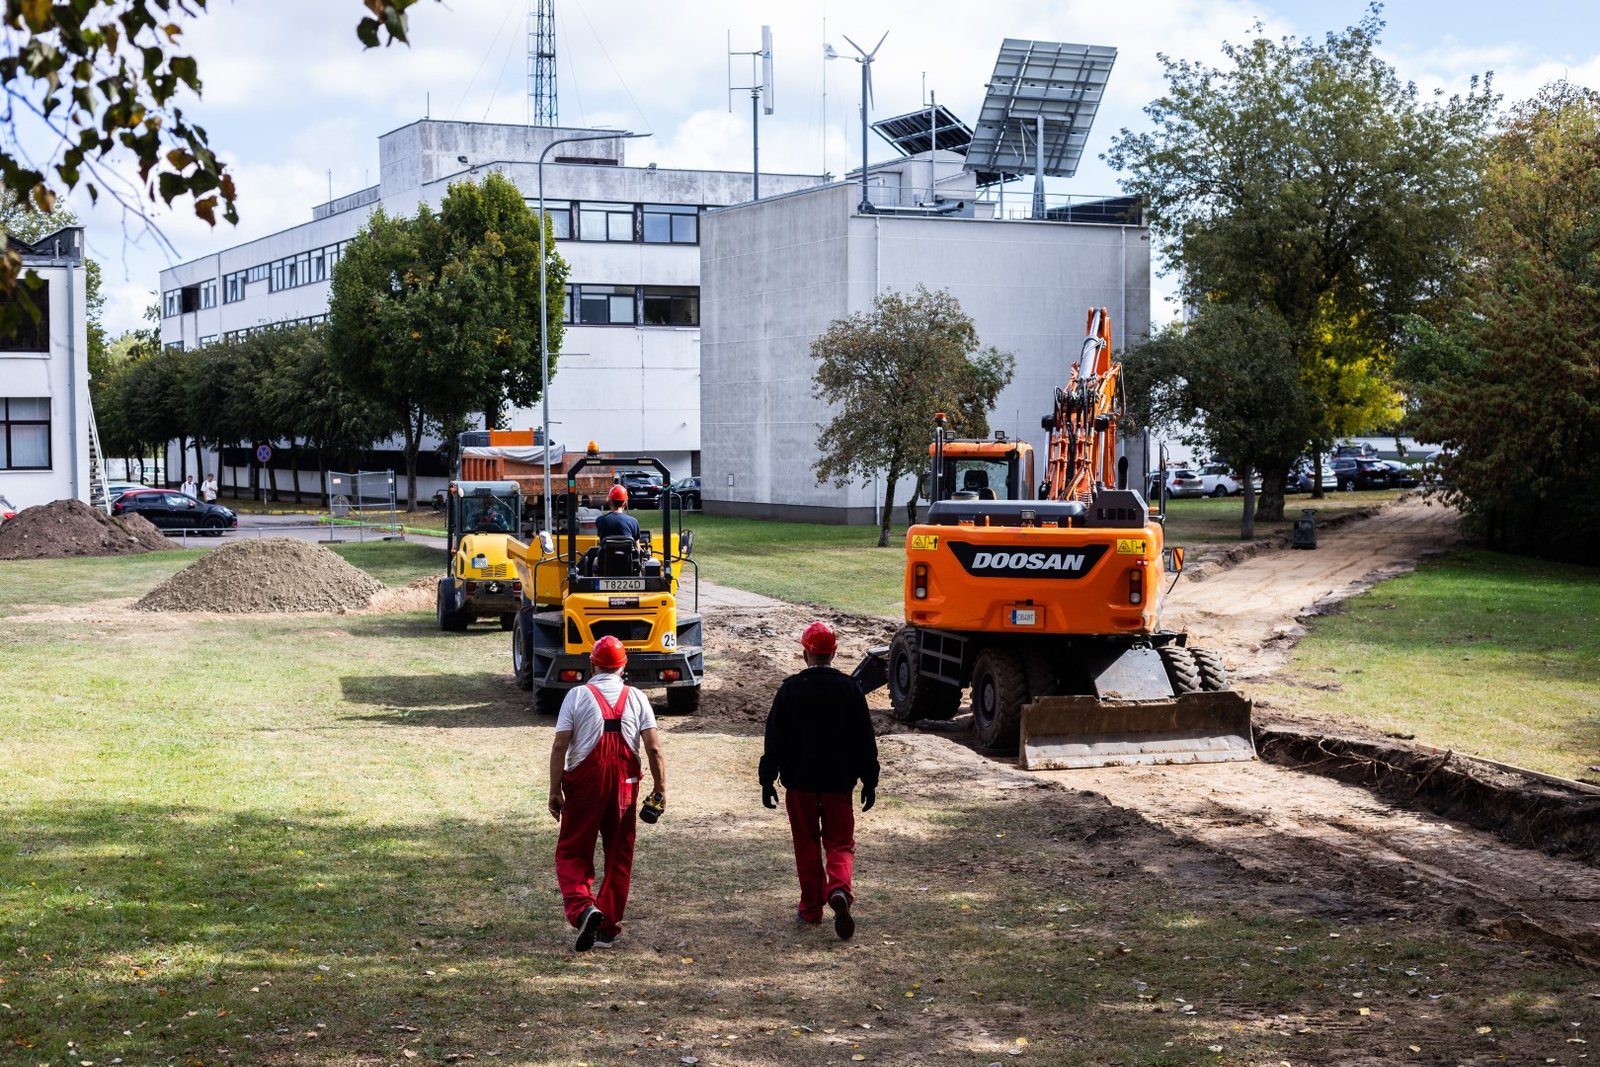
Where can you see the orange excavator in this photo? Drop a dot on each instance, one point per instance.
(1047, 607)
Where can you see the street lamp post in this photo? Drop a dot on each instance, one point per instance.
(544, 324)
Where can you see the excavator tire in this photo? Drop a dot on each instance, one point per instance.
(913, 696)
(450, 621)
(999, 693)
(1182, 671)
(1213, 675)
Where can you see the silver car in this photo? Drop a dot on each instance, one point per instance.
(1180, 481)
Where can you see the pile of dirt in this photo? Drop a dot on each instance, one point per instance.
(416, 595)
(64, 528)
(266, 575)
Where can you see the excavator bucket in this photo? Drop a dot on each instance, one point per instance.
(1069, 732)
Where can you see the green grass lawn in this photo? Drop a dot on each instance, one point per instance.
(1487, 654)
(276, 839)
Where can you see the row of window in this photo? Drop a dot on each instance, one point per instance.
(582, 220)
(651, 224)
(235, 335)
(24, 433)
(633, 305)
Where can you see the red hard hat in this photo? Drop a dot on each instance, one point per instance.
(819, 639)
(608, 654)
(617, 495)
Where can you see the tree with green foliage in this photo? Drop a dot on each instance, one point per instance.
(885, 374)
(102, 79)
(433, 317)
(1510, 382)
(1230, 375)
(1306, 179)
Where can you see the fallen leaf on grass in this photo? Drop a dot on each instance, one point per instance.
(408, 1054)
(1485, 1029)
(1366, 1011)
(1414, 1048)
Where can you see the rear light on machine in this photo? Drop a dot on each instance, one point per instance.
(571, 676)
(472, 587)
(1136, 586)
(516, 587)
(671, 674)
(919, 581)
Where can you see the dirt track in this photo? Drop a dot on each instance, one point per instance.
(1311, 841)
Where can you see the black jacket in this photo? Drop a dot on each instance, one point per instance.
(819, 734)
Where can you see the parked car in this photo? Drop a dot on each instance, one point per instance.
(8, 510)
(169, 509)
(1433, 466)
(1217, 479)
(644, 488)
(116, 489)
(1351, 449)
(1302, 479)
(1355, 472)
(1181, 481)
(1401, 475)
(686, 493)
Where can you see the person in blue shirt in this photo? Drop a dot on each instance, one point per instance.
(617, 522)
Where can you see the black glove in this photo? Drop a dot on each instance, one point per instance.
(769, 795)
(869, 797)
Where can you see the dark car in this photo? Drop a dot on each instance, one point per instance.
(686, 493)
(1401, 475)
(1353, 472)
(169, 509)
(644, 488)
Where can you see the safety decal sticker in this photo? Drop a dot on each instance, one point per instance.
(924, 542)
(1130, 546)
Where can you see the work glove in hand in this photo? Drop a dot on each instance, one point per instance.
(869, 797)
(769, 796)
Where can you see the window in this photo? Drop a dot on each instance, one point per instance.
(605, 222)
(258, 273)
(671, 305)
(25, 433)
(677, 224)
(605, 305)
(208, 294)
(32, 336)
(233, 286)
(171, 303)
(277, 277)
(208, 339)
(560, 212)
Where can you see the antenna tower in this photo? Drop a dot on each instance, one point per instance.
(542, 62)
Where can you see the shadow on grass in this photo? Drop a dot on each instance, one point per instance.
(440, 700)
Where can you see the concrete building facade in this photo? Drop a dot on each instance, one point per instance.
(777, 272)
(628, 375)
(44, 381)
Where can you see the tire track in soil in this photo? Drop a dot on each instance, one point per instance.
(1302, 841)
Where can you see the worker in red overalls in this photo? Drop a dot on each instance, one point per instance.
(594, 780)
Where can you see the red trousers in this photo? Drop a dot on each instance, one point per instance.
(823, 826)
(599, 796)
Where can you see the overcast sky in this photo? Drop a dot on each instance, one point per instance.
(296, 106)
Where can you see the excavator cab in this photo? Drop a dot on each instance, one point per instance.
(996, 469)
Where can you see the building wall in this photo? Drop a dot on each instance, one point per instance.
(627, 388)
(58, 373)
(783, 269)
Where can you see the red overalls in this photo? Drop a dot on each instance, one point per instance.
(823, 826)
(599, 800)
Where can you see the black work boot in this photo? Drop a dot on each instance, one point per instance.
(843, 924)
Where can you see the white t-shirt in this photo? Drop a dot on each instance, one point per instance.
(581, 715)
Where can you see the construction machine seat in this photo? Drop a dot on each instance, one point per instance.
(619, 558)
(977, 481)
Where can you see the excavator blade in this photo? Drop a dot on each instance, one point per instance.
(1068, 732)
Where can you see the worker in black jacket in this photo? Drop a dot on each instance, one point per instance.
(820, 743)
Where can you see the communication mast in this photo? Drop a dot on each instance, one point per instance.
(542, 62)
(760, 97)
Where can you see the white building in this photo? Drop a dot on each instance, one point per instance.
(44, 381)
(777, 271)
(628, 375)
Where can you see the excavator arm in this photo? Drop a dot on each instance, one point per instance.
(1083, 425)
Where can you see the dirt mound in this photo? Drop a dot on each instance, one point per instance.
(64, 528)
(266, 575)
(416, 595)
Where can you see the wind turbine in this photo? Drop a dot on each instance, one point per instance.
(866, 98)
